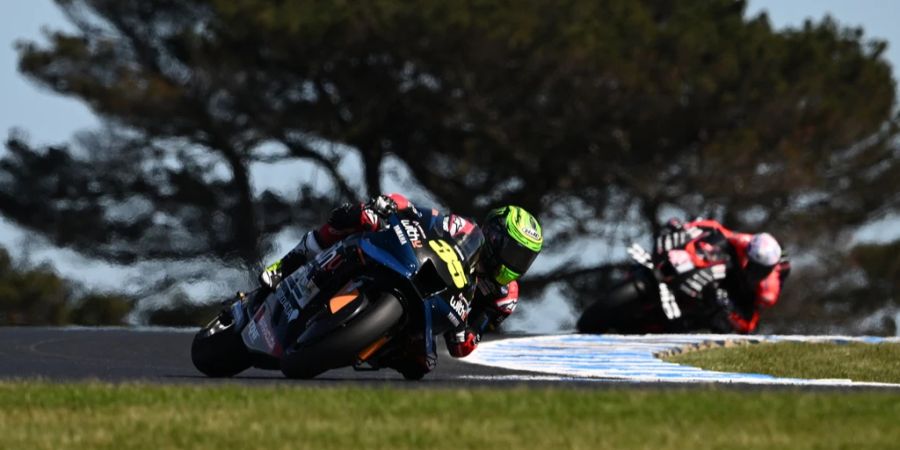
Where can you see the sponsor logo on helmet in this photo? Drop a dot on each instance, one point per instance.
(531, 232)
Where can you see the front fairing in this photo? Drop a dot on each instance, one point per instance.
(427, 259)
(430, 263)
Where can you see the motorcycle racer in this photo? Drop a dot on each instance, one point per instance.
(745, 276)
(512, 240)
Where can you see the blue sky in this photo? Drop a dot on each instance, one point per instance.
(49, 118)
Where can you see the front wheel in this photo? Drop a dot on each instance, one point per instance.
(341, 347)
(219, 351)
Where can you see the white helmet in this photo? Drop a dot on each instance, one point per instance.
(763, 254)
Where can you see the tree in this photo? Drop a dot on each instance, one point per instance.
(37, 296)
(590, 114)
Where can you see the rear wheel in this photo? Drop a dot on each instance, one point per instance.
(341, 347)
(218, 350)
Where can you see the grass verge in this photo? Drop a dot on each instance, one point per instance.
(855, 361)
(103, 416)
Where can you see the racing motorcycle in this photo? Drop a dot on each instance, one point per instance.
(667, 294)
(368, 302)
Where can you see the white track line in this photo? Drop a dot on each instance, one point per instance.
(635, 358)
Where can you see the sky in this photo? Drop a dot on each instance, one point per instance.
(49, 118)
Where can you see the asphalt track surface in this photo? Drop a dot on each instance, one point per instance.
(163, 356)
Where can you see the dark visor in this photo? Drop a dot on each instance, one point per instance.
(516, 256)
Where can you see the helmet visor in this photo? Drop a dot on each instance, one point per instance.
(515, 256)
(756, 271)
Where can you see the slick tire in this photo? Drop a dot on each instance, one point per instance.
(341, 348)
(221, 353)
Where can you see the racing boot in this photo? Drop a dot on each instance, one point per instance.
(307, 249)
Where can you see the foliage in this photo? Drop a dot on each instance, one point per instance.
(881, 264)
(854, 292)
(591, 114)
(34, 296)
(101, 309)
(37, 296)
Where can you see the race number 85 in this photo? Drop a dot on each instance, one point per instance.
(449, 256)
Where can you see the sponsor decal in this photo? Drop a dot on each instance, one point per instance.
(330, 260)
(267, 335)
(301, 286)
(294, 284)
(453, 319)
(531, 232)
(254, 331)
(400, 235)
(414, 231)
(326, 256)
(460, 304)
(289, 309)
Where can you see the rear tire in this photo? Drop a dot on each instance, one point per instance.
(219, 353)
(615, 311)
(341, 347)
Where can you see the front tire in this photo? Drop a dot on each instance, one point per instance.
(218, 350)
(341, 347)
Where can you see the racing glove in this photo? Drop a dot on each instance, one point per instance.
(346, 217)
(351, 217)
(382, 205)
(463, 343)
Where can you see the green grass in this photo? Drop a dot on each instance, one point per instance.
(103, 416)
(855, 361)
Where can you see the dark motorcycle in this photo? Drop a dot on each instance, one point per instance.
(666, 295)
(369, 302)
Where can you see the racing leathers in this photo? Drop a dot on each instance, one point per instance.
(721, 276)
(490, 303)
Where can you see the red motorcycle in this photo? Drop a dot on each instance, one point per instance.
(671, 292)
